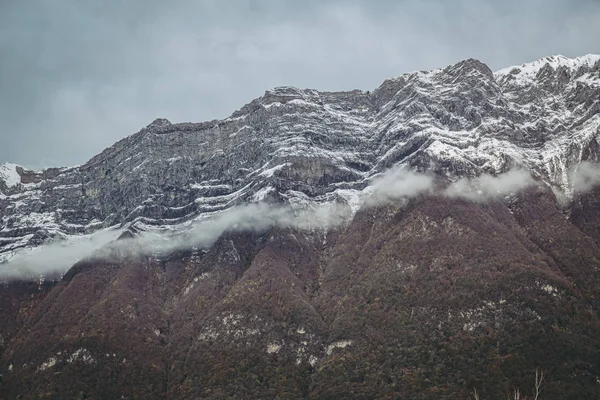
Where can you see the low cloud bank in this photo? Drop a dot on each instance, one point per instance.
(393, 186)
(585, 176)
(52, 260)
(397, 183)
(254, 217)
(55, 258)
(489, 187)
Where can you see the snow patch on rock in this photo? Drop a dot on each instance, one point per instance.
(273, 348)
(341, 344)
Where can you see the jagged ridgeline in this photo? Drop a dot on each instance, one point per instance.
(435, 238)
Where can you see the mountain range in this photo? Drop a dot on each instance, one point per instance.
(436, 237)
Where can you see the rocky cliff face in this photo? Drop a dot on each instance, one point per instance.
(431, 297)
(290, 143)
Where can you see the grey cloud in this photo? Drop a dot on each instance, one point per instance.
(77, 76)
(395, 186)
(487, 187)
(55, 258)
(585, 176)
(398, 183)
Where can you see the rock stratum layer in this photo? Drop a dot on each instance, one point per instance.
(430, 297)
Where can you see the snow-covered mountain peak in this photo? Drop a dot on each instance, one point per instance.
(525, 74)
(284, 94)
(469, 66)
(159, 123)
(9, 175)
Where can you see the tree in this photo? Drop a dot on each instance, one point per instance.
(539, 379)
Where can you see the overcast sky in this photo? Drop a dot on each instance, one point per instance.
(77, 76)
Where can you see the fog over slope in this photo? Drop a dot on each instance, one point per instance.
(394, 186)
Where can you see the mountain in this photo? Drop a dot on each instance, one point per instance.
(427, 295)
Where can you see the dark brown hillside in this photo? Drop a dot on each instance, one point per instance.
(427, 300)
(583, 214)
(450, 295)
(18, 301)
